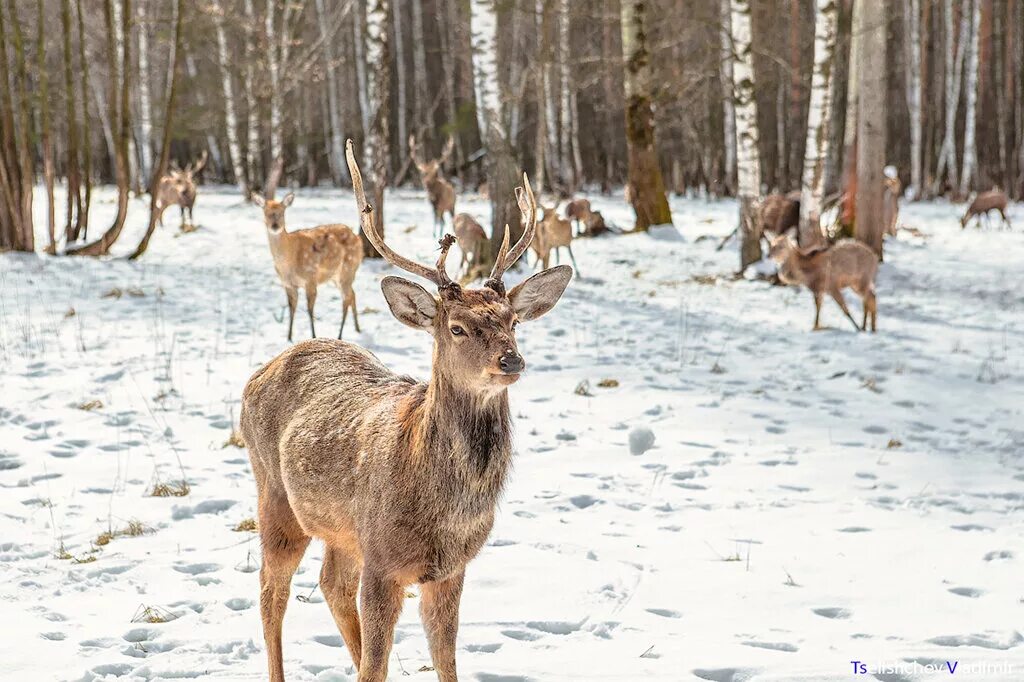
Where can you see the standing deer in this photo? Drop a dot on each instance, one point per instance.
(306, 259)
(178, 187)
(578, 211)
(400, 479)
(472, 240)
(439, 191)
(847, 263)
(993, 200)
(553, 233)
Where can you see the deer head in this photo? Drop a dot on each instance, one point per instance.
(273, 211)
(474, 330)
(429, 169)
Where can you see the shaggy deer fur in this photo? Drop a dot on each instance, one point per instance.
(553, 233)
(472, 240)
(993, 200)
(178, 188)
(305, 259)
(399, 478)
(439, 191)
(847, 263)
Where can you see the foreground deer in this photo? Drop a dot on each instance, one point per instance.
(400, 479)
(553, 233)
(178, 188)
(439, 191)
(847, 263)
(305, 259)
(472, 240)
(993, 200)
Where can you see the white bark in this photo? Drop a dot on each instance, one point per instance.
(273, 68)
(419, 64)
(373, 144)
(396, 15)
(812, 187)
(970, 150)
(359, 42)
(515, 73)
(954, 59)
(728, 104)
(337, 152)
(565, 120)
(145, 102)
(747, 160)
(227, 89)
(252, 113)
(912, 41)
(483, 26)
(550, 102)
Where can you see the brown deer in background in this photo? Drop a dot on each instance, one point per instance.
(400, 479)
(553, 233)
(993, 200)
(178, 188)
(578, 211)
(847, 263)
(439, 191)
(472, 240)
(305, 259)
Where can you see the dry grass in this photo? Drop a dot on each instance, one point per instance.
(133, 530)
(246, 526)
(152, 614)
(894, 443)
(90, 405)
(583, 388)
(707, 280)
(608, 383)
(234, 439)
(175, 489)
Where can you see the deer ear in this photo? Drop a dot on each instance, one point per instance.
(288, 199)
(258, 199)
(540, 293)
(409, 302)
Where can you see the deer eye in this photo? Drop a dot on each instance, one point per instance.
(457, 330)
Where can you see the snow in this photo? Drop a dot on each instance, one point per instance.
(812, 499)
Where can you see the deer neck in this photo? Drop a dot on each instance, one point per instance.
(278, 241)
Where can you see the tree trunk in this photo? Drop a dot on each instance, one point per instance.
(728, 103)
(46, 137)
(145, 100)
(73, 208)
(871, 128)
(82, 226)
(375, 144)
(565, 131)
(165, 147)
(15, 183)
(748, 164)
(400, 89)
(252, 146)
(912, 41)
(228, 91)
(954, 59)
(121, 113)
(819, 114)
(337, 137)
(419, 69)
(970, 130)
(648, 188)
(25, 236)
(359, 42)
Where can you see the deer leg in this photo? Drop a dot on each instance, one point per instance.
(558, 255)
(439, 611)
(380, 604)
(310, 305)
(182, 209)
(573, 258)
(873, 305)
(348, 300)
(838, 296)
(293, 302)
(817, 310)
(283, 546)
(339, 580)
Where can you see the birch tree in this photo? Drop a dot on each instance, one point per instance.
(375, 142)
(871, 128)
(145, 102)
(645, 180)
(970, 130)
(954, 62)
(337, 155)
(748, 162)
(252, 113)
(228, 91)
(359, 43)
(812, 186)
(728, 103)
(912, 42)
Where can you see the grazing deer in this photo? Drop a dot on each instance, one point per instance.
(178, 187)
(439, 191)
(993, 200)
(400, 479)
(305, 259)
(553, 233)
(594, 225)
(847, 263)
(578, 211)
(472, 240)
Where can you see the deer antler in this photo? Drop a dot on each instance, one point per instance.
(506, 257)
(447, 151)
(414, 151)
(367, 222)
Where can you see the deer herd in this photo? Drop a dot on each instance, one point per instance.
(400, 479)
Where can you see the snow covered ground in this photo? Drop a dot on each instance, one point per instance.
(811, 499)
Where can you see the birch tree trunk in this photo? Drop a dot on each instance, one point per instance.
(375, 144)
(812, 186)
(252, 146)
(912, 41)
(501, 166)
(648, 188)
(145, 101)
(970, 131)
(337, 137)
(748, 163)
(227, 88)
(871, 125)
(82, 226)
(400, 89)
(953, 61)
(552, 157)
(728, 103)
(419, 67)
(359, 43)
(46, 137)
(74, 195)
(274, 72)
(565, 137)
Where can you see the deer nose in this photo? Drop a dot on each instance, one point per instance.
(511, 362)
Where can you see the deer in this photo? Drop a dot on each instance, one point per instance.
(578, 211)
(472, 240)
(305, 259)
(399, 478)
(553, 233)
(993, 200)
(847, 263)
(178, 187)
(439, 191)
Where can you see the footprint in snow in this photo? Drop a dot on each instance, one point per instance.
(196, 569)
(665, 613)
(833, 612)
(725, 674)
(854, 529)
(238, 604)
(774, 646)
(999, 555)
(971, 592)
